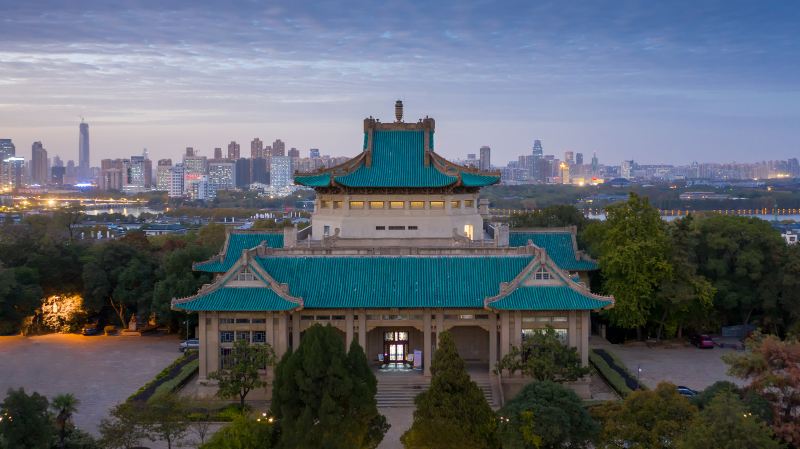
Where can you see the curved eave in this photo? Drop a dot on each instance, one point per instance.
(321, 180)
(236, 299)
(477, 180)
(540, 298)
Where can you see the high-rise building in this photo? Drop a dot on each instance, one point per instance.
(7, 149)
(280, 172)
(233, 151)
(57, 175)
(537, 170)
(222, 175)
(595, 164)
(12, 173)
(194, 167)
(313, 153)
(39, 172)
(578, 158)
(259, 170)
(626, 169)
(136, 175)
(278, 148)
(243, 173)
(84, 172)
(189, 152)
(202, 189)
(256, 148)
(217, 153)
(538, 151)
(486, 158)
(163, 174)
(294, 153)
(114, 174)
(569, 157)
(176, 181)
(71, 174)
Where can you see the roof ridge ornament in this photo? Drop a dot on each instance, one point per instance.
(398, 111)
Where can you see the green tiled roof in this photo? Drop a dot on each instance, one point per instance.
(322, 180)
(241, 299)
(548, 298)
(559, 247)
(238, 242)
(475, 180)
(394, 282)
(397, 161)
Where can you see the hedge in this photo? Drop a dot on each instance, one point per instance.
(176, 374)
(614, 372)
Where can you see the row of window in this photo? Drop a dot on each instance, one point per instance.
(336, 204)
(527, 319)
(251, 337)
(560, 333)
(396, 228)
(226, 359)
(242, 320)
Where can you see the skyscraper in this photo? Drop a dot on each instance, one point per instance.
(194, 168)
(176, 181)
(189, 151)
(537, 171)
(39, 164)
(313, 153)
(278, 148)
(280, 172)
(256, 148)
(294, 153)
(163, 174)
(569, 157)
(486, 158)
(84, 172)
(7, 149)
(222, 175)
(595, 164)
(217, 153)
(233, 151)
(578, 158)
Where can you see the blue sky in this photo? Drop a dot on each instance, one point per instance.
(667, 81)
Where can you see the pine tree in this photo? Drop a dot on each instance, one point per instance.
(325, 398)
(452, 413)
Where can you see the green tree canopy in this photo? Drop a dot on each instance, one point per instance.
(64, 406)
(543, 357)
(452, 413)
(550, 411)
(556, 216)
(25, 421)
(242, 376)
(242, 433)
(325, 398)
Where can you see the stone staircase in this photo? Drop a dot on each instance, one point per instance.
(400, 389)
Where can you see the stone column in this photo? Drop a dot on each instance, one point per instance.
(295, 331)
(505, 334)
(516, 340)
(439, 327)
(281, 337)
(348, 329)
(212, 353)
(572, 331)
(585, 337)
(270, 329)
(202, 335)
(362, 330)
(492, 340)
(427, 347)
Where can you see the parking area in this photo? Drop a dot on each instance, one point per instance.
(677, 363)
(101, 371)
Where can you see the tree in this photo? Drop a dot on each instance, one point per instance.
(546, 415)
(646, 419)
(633, 259)
(773, 368)
(243, 376)
(727, 424)
(25, 421)
(453, 412)
(560, 215)
(243, 433)
(64, 406)
(124, 429)
(543, 357)
(325, 398)
(165, 419)
(200, 418)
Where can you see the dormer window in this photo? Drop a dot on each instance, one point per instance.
(245, 274)
(542, 274)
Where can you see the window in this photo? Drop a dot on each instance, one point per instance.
(376, 204)
(259, 320)
(412, 228)
(437, 204)
(225, 358)
(560, 333)
(324, 204)
(416, 204)
(326, 230)
(397, 228)
(380, 228)
(338, 317)
(226, 321)
(245, 274)
(242, 320)
(259, 337)
(542, 274)
(243, 335)
(307, 318)
(337, 204)
(322, 317)
(455, 204)
(397, 204)
(226, 336)
(356, 204)
(469, 203)
(560, 319)
(395, 336)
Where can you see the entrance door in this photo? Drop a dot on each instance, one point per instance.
(395, 347)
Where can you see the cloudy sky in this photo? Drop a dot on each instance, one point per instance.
(667, 81)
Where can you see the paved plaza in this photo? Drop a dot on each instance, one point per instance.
(101, 371)
(677, 363)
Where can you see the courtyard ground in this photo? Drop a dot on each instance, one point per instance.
(680, 363)
(100, 371)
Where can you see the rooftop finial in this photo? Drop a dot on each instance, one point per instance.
(398, 111)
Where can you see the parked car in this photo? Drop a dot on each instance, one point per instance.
(702, 341)
(192, 343)
(686, 391)
(91, 328)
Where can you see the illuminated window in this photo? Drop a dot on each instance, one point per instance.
(469, 203)
(376, 204)
(245, 274)
(416, 204)
(356, 204)
(337, 204)
(455, 204)
(397, 204)
(324, 204)
(437, 204)
(542, 274)
(469, 231)
(259, 337)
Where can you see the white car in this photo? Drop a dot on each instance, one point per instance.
(192, 343)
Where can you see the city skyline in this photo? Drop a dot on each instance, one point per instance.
(714, 82)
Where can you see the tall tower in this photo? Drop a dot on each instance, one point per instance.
(84, 172)
(486, 158)
(536, 166)
(39, 164)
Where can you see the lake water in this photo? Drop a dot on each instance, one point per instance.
(766, 217)
(121, 209)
